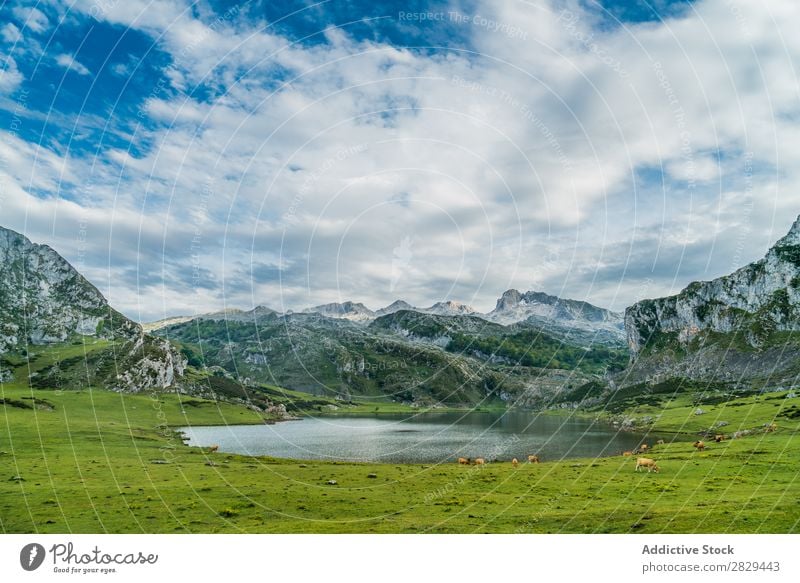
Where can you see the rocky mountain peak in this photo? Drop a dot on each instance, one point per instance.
(44, 300)
(9, 238)
(354, 311)
(261, 311)
(792, 237)
(395, 306)
(547, 311)
(510, 299)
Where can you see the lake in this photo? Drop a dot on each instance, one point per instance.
(429, 437)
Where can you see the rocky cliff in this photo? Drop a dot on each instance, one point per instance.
(44, 301)
(737, 326)
(757, 300)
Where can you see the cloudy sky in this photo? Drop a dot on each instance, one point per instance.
(188, 156)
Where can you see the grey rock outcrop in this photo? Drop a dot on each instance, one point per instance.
(44, 301)
(549, 311)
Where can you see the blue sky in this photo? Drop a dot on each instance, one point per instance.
(189, 156)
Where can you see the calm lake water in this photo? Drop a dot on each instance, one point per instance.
(425, 437)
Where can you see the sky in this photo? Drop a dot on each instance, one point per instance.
(192, 156)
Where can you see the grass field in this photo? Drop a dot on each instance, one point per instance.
(96, 461)
(686, 413)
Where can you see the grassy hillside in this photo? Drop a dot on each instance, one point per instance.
(95, 461)
(677, 408)
(85, 362)
(328, 358)
(520, 345)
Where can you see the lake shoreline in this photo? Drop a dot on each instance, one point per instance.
(645, 433)
(423, 437)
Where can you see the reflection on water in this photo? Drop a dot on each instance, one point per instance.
(425, 437)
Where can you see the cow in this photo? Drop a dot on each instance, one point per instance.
(627, 453)
(660, 442)
(479, 461)
(463, 461)
(646, 462)
(213, 448)
(533, 459)
(515, 462)
(699, 445)
(719, 437)
(643, 448)
(771, 427)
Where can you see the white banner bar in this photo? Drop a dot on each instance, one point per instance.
(370, 558)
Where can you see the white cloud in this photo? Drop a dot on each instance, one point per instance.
(10, 77)
(10, 33)
(34, 167)
(693, 168)
(69, 63)
(31, 18)
(121, 69)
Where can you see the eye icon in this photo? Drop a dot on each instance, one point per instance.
(31, 556)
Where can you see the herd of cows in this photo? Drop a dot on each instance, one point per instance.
(641, 462)
(650, 464)
(479, 461)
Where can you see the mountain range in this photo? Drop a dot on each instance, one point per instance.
(406, 355)
(532, 349)
(358, 312)
(548, 312)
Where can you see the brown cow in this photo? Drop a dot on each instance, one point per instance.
(719, 437)
(644, 447)
(646, 462)
(771, 427)
(627, 453)
(479, 461)
(213, 448)
(463, 461)
(515, 462)
(533, 459)
(699, 445)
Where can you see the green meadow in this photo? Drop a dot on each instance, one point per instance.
(96, 461)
